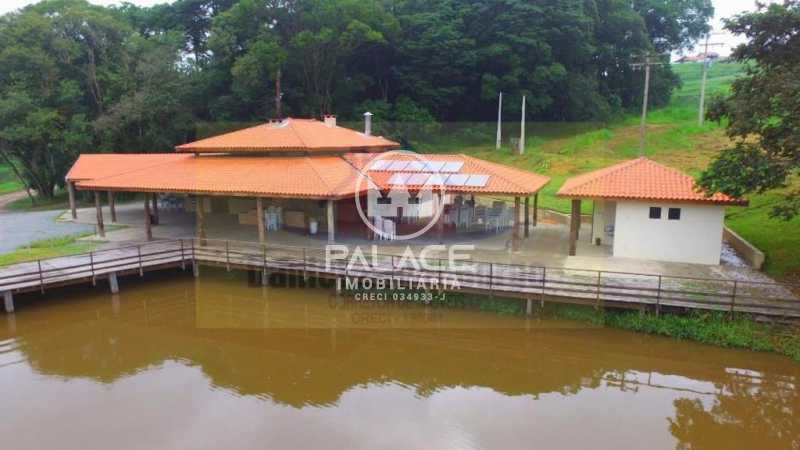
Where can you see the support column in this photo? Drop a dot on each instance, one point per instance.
(527, 217)
(201, 222)
(156, 219)
(148, 226)
(113, 283)
(535, 209)
(262, 230)
(8, 300)
(71, 192)
(515, 231)
(101, 229)
(331, 219)
(112, 206)
(574, 225)
(440, 222)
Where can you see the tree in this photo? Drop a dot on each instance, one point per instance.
(335, 33)
(675, 25)
(762, 109)
(151, 114)
(59, 66)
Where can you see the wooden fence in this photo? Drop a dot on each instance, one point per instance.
(600, 288)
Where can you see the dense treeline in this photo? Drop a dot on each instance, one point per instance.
(77, 77)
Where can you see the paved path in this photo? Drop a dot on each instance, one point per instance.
(18, 229)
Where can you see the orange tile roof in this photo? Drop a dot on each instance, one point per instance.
(306, 135)
(89, 166)
(314, 176)
(503, 180)
(641, 179)
(276, 176)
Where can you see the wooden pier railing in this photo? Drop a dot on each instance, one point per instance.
(618, 289)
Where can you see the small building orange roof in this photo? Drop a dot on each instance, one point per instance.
(641, 179)
(317, 177)
(305, 135)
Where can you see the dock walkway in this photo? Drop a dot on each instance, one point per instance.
(526, 282)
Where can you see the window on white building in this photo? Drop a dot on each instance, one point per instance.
(655, 212)
(674, 214)
(384, 200)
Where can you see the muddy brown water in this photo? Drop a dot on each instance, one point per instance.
(178, 363)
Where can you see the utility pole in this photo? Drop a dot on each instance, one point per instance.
(499, 122)
(278, 94)
(522, 129)
(706, 62)
(646, 63)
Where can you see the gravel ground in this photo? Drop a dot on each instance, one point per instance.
(18, 229)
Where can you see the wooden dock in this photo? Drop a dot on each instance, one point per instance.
(526, 282)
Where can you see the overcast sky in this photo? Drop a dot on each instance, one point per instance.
(724, 8)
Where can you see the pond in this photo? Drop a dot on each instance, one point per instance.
(174, 362)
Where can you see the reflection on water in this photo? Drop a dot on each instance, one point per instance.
(221, 363)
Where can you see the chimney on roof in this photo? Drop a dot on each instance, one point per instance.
(368, 123)
(330, 120)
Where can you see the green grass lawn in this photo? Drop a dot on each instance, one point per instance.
(48, 248)
(59, 201)
(8, 181)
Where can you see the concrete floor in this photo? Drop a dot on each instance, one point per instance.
(547, 245)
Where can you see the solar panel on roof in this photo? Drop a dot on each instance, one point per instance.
(379, 164)
(456, 179)
(434, 166)
(477, 180)
(415, 166)
(453, 166)
(418, 179)
(397, 166)
(435, 180)
(399, 179)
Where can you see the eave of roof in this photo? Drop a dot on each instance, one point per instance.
(641, 179)
(297, 176)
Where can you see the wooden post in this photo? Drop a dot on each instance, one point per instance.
(515, 235)
(574, 224)
(156, 219)
(527, 217)
(535, 209)
(112, 206)
(113, 283)
(148, 226)
(71, 192)
(440, 222)
(101, 229)
(331, 219)
(201, 224)
(262, 230)
(8, 300)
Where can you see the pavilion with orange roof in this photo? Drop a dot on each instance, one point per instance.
(302, 174)
(645, 210)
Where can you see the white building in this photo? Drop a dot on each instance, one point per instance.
(642, 209)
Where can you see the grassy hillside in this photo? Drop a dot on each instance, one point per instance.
(674, 138)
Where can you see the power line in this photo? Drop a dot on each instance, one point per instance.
(647, 61)
(706, 61)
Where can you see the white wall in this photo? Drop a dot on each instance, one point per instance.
(604, 216)
(695, 238)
